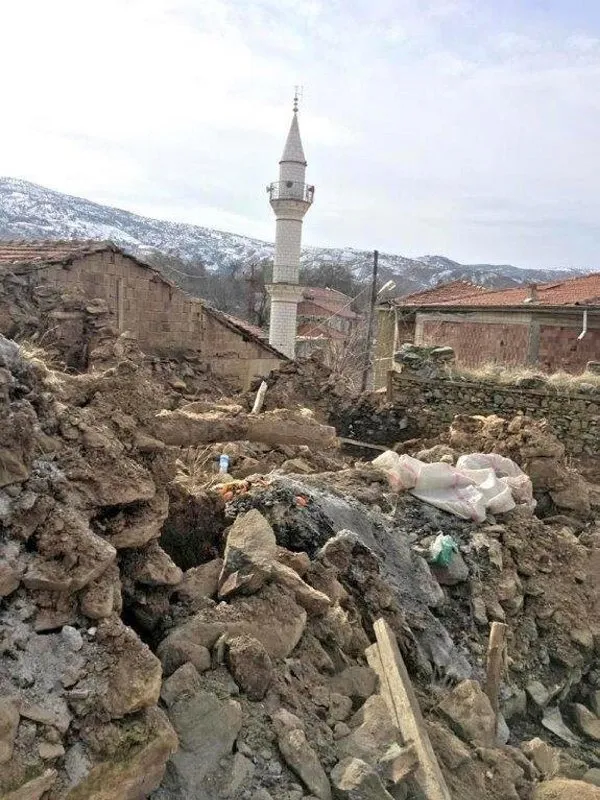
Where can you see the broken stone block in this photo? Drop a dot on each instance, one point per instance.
(451, 574)
(250, 666)
(249, 555)
(340, 707)
(538, 694)
(355, 681)
(10, 578)
(9, 723)
(207, 728)
(592, 776)
(588, 723)
(177, 653)
(552, 720)
(544, 757)
(201, 581)
(372, 732)
(49, 751)
(398, 763)
(299, 755)
(312, 600)
(354, 779)
(152, 567)
(34, 789)
(184, 682)
(468, 710)
(561, 789)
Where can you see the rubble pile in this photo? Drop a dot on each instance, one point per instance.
(171, 631)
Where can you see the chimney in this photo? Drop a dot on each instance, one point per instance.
(533, 293)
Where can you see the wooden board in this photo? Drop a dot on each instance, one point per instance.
(397, 690)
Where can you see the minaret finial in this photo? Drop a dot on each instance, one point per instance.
(297, 97)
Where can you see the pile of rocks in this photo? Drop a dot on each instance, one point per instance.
(161, 639)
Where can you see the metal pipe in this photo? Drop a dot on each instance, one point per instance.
(584, 329)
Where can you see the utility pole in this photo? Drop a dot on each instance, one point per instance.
(371, 322)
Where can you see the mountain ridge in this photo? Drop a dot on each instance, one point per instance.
(31, 211)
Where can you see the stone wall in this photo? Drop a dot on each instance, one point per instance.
(164, 319)
(430, 405)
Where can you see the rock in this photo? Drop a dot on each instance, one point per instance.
(552, 720)
(153, 567)
(303, 760)
(560, 789)
(10, 578)
(97, 600)
(299, 562)
(207, 728)
(468, 710)
(139, 526)
(355, 681)
(137, 770)
(373, 732)
(272, 617)
(297, 466)
(182, 652)
(184, 682)
(312, 600)
(250, 666)
(34, 789)
(56, 716)
(242, 772)
(249, 555)
(588, 723)
(545, 757)
(12, 467)
(72, 638)
(202, 581)
(133, 680)
(592, 776)
(595, 702)
(49, 751)
(341, 730)
(356, 780)
(9, 723)
(538, 694)
(455, 572)
(398, 763)
(340, 707)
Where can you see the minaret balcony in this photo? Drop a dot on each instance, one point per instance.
(291, 190)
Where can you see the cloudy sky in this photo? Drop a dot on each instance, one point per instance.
(463, 127)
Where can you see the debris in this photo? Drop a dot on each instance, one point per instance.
(495, 663)
(300, 756)
(250, 666)
(356, 780)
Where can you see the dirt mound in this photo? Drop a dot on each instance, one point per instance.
(159, 617)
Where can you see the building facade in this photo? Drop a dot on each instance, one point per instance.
(290, 199)
(164, 319)
(551, 327)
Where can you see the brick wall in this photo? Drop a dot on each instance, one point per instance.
(430, 405)
(478, 343)
(164, 318)
(560, 349)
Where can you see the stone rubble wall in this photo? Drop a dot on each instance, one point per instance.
(430, 405)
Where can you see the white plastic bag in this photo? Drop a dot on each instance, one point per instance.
(479, 483)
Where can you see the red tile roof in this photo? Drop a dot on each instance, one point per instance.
(574, 291)
(19, 252)
(442, 293)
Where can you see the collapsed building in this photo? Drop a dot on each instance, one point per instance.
(70, 291)
(169, 630)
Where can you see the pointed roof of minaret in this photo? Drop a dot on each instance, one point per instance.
(293, 150)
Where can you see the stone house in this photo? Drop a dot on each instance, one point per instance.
(551, 326)
(165, 320)
(326, 322)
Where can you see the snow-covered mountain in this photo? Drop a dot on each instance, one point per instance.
(32, 212)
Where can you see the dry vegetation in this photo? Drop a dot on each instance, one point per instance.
(498, 373)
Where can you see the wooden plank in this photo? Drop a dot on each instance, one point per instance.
(495, 663)
(380, 448)
(398, 692)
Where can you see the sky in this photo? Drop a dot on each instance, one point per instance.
(468, 128)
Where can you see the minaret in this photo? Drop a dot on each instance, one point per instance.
(290, 200)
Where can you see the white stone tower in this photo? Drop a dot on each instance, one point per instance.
(290, 199)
